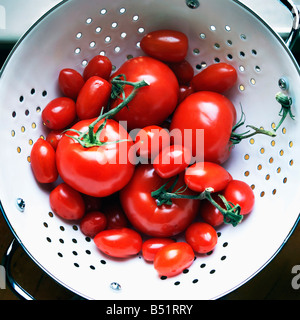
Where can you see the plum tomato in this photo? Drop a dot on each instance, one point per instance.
(92, 223)
(203, 175)
(151, 140)
(165, 45)
(183, 71)
(99, 66)
(143, 211)
(153, 103)
(119, 243)
(218, 77)
(115, 215)
(173, 258)
(43, 161)
(67, 202)
(59, 113)
(151, 246)
(93, 96)
(210, 214)
(184, 91)
(92, 203)
(172, 160)
(204, 121)
(70, 82)
(53, 137)
(239, 192)
(202, 237)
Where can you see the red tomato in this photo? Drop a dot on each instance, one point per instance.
(59, 113)
(143, 212)
(92, 203)
(171, 161)
(210, 214)
(99, 66)
(93, 96)
(165, 45)
(202, 237)
(218, 77)
(92, 223)
(204, 121)
(43, 161)
(203, 175)
(97, 171)
(151, 246)
(67, 202)
(239, 192)
(184, 91)
(183, 71)
(119, 243)
(54, 136)
(70, 82)
(115, 215)
(151, 140)
(173, 258)
(153, 103)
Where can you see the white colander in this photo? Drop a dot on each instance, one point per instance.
(218, 30)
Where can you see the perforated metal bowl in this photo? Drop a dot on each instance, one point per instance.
(218, 30)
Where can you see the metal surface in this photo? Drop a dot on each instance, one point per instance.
(75, 33)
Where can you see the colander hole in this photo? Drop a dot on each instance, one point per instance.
(212, 271)
(61, 240)
(213, 28)
(135, 18)
(60, 254)
(217, 46)
(122, 10)
(271, 160)
(291, 162)
(75, 253)
(76, 264)
(87, 251)
(202, 265)
(19, 150)
(44, 93)
(45, 224)
(252, 81)
(291, 144)
(274, 192)
(13, 133)
(141, 30)
(176, 283)
(229, 57)
(98, 29)
(195, 281)
(247, 173)
(92, 267)
(242, 68)
(38, 109)
(257, 69)
(21, 99)
(246, 157)
(243, 37)
(223, 258)
(202, 36)
(103, 11)
(262, 194)
(254, 52)
(285, 180)
(26, 112)
(78, 35)
(114, 25)
(242, 54)
(196, 51)
(92, 44)
(32, 91)
(50, 214)
(48, 239)
(84, 63)
(107, 39)
(123, 35)
(241, 87)
(229, 43)
(225, 244)
(267, 177)
(227, 28)
(217, 60)
(102, 261)
(14, 114)
(89, 20)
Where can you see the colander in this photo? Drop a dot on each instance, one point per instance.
(71, 34)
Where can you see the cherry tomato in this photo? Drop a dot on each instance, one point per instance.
(239, 192)
(204, 121)
(202, 237)
(92, 223)
(173, 258)
(93, 96)
(53, 137)
(97, 171)
(115, 215)
(43, 161)
(59, 113)
(184, 91)
(210, 214)
(151, 246)
(218, 77)
(151, 140)
(203, 175)
(99, 66)
(92, 203)
(142, 210)
(153, 103)
(165, 45)
(67, 202)
(172, 160)
(119, 243)
(70, 82)
(183, 71)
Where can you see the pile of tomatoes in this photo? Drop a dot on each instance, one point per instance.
(116, 162)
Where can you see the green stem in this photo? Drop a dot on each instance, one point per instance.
(286, 105)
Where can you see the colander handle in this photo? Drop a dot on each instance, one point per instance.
(293, 36)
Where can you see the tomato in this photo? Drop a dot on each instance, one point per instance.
(143, 211)
(70, 82)
(119, 243)
(92, 203)
(202, 237)
(93, 96)
(204, 121)
(210, 214)
(184, 91)
(53, 137)
(183, 71)
(172, 160)
(218, 77)
(43, 161)
(173, 258)
(203, 175)
(67, 202)
(151, 140)
(115, 216)
(92, 223)
(239, 192)
(165, 45)
(151, 246)
(153, 103)
(59, 113)
(98, 170)
(99, 66)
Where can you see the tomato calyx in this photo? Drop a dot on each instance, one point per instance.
(231, 212)
(90, 138)
(286, 105)
(236, 138)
